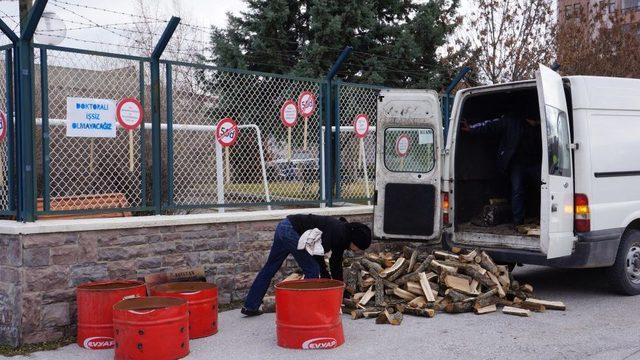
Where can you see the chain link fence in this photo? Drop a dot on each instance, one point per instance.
(267, 164)
(87, 173)
(5, 159)
(355, 174)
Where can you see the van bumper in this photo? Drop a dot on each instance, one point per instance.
(592, 250)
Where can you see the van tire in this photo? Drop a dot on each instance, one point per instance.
(619, 276)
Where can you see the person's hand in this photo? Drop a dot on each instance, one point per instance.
(464, 126)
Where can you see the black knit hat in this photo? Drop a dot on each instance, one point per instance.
(359, 234)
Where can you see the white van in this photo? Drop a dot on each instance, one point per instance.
(586, 202)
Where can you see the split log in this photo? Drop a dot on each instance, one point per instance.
(441, 268)
(503, 302)
(403, 269)
(526, 288)
(459, 307)
(292, 277)
(388, 291)
(393, 269)
(497, 284)
(516, 311)
(426, 287)
(368, 282)
(358, 296)
(470, 257)
(416, 311)
(459, 284)
(374, 268)
(419, 302)
(487, 263)
(486, 299)
(393, 317)
(351, 280)
(349, 303)
(529, 306)
(412, 260)
(365, 313)
(503, 276)
(403, 294)
(367, 296)
(550, 305)
(475, 271)
(379, 293)
(485, 310)
(414, 288)
(443, 255)
(456, 250)
(455, 296)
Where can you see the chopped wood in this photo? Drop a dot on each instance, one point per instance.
(294, 276)
(456, 250)
(368, 281)
(269, 304)
(417, 311)
(486, 299)
(455, 296)
(460, 284)
(414, 288)
(412, 260)
(443, 255)
(419, 302)
(440, 268)
(485, 310)
(393, 317)
(374, 268)
(459, 307)
(487, 263)
(527, 288)
(470, 257)
(358, 296)
(390, 270)
(403, 294)
(529, 306)
(365, 313)
(549, 305)
(367, 296)
(503, 276)
(351, 280)
(401, 271)
(426, 287)
(510, 310)
(497, 284)
(379, 293)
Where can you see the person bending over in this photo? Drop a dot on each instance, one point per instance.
(337, 236)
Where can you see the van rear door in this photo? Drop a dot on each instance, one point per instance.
(556, 205)
(408, 166)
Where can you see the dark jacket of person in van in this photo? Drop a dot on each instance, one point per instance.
(520, 139)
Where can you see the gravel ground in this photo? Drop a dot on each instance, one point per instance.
(597, 325)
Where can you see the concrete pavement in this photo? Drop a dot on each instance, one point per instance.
(597, 325)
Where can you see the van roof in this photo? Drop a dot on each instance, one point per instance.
(597, 92)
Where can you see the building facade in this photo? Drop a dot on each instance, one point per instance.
(571, 9)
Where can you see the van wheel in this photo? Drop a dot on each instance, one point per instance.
(625, 272)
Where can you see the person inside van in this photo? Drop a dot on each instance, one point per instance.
(519, 152)
(308, 237)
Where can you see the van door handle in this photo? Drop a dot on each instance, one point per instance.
(554, 207)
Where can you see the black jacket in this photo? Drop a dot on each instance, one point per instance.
(518, 140)
(334, 239)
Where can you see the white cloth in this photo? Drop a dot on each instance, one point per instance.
(311, 240)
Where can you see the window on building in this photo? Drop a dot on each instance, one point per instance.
(568, 11)
(611, 7)
(577, 10)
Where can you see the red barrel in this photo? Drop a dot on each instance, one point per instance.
(202, 298)
(308, 314)
(95, 310)
(154, 328)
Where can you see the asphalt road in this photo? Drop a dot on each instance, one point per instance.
(597, 325)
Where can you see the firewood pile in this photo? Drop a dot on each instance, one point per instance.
(386, 286)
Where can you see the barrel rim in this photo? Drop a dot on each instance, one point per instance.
(109, 285)
(290, 285)
(179, 287)
(149, 303)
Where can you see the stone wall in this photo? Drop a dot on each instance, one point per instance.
(39, 272)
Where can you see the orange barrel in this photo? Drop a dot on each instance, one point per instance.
(95, 310)
(202, 298)
(154, 327)
(308, 314)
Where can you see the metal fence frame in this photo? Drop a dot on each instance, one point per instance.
(9, 156)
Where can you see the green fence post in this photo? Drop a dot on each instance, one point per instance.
(156, 133)
(337, 171)
(46, 158)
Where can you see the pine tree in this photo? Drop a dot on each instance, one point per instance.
(394, 41)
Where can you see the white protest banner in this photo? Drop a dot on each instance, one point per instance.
(94, 118)
(129, 114)
(306, 106)
(289, 118)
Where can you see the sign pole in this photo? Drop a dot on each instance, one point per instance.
(131, 160)
(227, 166)
(305, 134)
(367, 191)
(288, 144)
(219, 176)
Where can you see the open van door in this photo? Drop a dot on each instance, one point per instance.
(556, 205)
(408, 166)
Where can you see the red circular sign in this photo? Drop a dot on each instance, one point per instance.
(361, 125)
(227, 132)
(3, 128)
(129, 113)
(402, 145)
(289, 113)
(306, 104)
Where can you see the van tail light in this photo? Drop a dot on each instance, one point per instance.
(445, 208)
(582, 214)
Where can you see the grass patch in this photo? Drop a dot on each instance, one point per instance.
(27, 349)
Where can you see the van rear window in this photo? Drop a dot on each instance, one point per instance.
(409, 150)
(559, 142)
